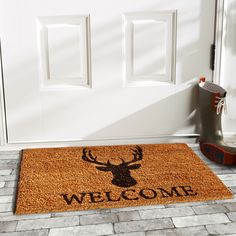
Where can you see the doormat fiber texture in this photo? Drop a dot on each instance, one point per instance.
(82, 178)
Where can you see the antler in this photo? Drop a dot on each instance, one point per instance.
(137, 153)
(92, 159)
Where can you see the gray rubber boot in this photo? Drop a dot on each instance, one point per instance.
(211, 105)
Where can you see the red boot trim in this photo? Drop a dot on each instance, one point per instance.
(202, 79)
(215, 100)
(218, 154)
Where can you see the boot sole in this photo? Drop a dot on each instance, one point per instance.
(218, 154)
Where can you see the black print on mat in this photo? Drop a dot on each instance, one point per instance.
(121, 172)
(129, 195)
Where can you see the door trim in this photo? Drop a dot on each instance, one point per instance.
(3, 125)
(177, 138)
(220, 21)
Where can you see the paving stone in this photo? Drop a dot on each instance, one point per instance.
(5, 172)
(186, 204)
(227, 200)
(218, 170)
(232, 216)
(130, 234)
(227, 234)
(13, 217)
(233, 189)
(229, 179)
(8, 162)
(10, 184)
(137, 208)
(7, 226)
(202, 157)
(5, 207)
(8, 177)
(80, 213)
(15, 171)
(10, 152)
(143, 225)
(231, 206)
(6, 199)
(190, 231)
(2, 184)
(27, 233)
(223, 168)
(210, 209)
(128, 215)
(85, 230)
(98, 219)
(7, 191)
(9, 157)
(195, 148)
(167, 212)
(196, 220)
(3, 214)
(233, 169)
(222, 172)
(8, 166)
(47, 223)
(229, 228)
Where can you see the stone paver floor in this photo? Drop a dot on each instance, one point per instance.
(199, 218)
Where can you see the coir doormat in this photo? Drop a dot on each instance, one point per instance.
(79, 178)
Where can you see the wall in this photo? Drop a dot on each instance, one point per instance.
(228, 66)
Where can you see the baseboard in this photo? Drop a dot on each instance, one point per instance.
(190, 139)
(230, 137)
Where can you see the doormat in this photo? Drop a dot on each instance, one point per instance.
(82, 178)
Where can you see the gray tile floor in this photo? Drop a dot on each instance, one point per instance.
(201, 218)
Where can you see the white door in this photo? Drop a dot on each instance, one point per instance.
(85, 70)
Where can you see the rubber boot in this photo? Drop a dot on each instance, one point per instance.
(211, 105)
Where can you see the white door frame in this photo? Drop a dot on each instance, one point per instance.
(3, 125)
(219, 35)
(189, 138)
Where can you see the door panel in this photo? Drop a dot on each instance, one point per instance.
(149, 42)
(82, 70)
(61, 65)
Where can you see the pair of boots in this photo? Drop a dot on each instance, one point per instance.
(211, 105)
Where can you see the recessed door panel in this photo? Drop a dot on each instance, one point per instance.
(64, 51)
(149, 47)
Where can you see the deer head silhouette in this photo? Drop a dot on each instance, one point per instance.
(121, 172)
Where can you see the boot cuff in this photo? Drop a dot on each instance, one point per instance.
(213, 88)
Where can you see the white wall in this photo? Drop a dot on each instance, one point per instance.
(228, 65)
